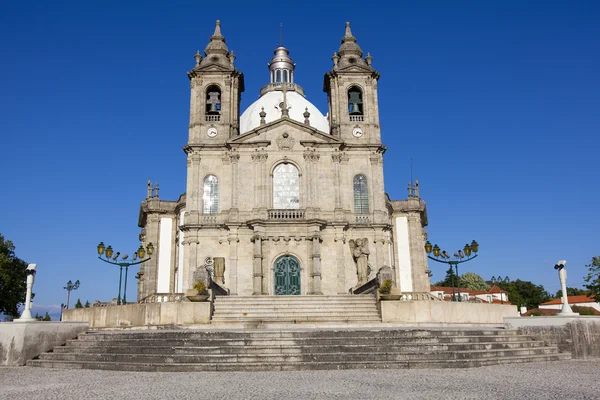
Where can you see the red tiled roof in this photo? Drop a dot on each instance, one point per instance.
(496, 289)
(572, 300)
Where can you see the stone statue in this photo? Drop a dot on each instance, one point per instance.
(360, 253)
(219, 265)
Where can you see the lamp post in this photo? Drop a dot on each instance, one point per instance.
(71, 286)
(468, 253)
(111, 258)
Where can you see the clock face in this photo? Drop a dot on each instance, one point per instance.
(212, 131)
(357, 132)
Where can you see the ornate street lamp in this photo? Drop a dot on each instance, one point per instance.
(468, 253)
(71, 286)
(113, 259)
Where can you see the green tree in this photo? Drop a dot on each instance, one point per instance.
(78, 304)
(571, 292)
(525, 293)
(13, 279)
(46, 317)
(447, 282)
(593, 278)
(87, 304)
(472, 281)
(37, 317)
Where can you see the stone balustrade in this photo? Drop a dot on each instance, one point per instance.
(213, 118)
(286, 214)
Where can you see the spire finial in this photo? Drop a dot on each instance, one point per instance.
(281, 35)
(149, 194)
(218, 29)
(198, 57)
(348, 31)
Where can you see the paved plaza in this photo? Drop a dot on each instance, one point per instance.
(552, 380)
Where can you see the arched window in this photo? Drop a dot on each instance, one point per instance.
(361, 195)
(285, 75)
(213, 100)
(286, 187)
(211, 195)
(278, 76)
(355, 101)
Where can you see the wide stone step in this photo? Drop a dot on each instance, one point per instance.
(283, 342)
(287, 366)
(296, 334)
(301, 357)
(293, 349)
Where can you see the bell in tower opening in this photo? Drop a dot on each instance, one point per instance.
(355, 103)
(213, 100)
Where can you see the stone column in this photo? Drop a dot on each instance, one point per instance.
(379, 250)
(191, 253)
(257, 275)
(336, 157)
(340, 241)
(309, 178)
(316, 265)
(233, 259)
(418, 256)
(234, 157)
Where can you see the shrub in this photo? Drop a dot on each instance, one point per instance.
(386, 287)
(200, 287)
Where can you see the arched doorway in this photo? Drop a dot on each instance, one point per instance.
(287, 276)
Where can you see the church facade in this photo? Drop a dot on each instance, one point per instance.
(289, 201)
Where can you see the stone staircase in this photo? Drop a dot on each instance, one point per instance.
(296, 349)
(256, 311)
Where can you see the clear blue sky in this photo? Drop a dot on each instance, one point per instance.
(496, 102)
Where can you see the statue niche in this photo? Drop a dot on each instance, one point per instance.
(360, 254)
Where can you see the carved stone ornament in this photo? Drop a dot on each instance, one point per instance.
(285, 142)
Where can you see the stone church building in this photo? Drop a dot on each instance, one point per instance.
(290, 201)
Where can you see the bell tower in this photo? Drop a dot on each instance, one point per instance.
(216, 88)
(351, 88)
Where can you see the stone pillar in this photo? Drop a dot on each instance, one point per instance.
(192, 256)
(234, 157)
(233, 259)
(418, 256)
(257, 275)
(336, 157)
(379, 250)
(340, 241)
(316, 265)
(309, 178)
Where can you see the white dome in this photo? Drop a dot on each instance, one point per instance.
(251, 117)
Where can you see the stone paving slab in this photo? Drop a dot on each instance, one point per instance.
(573, 379)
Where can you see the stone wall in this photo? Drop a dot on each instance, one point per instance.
(21, 341)
(150, 314)
(442, 312)
(579, 336)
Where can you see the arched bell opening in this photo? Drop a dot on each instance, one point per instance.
(355, 101)
(213, 100)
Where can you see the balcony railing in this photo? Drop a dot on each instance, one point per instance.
(280, 85)
(357, 118)
(213, 118)
(363, 219)
(286, 214)
(209, 219)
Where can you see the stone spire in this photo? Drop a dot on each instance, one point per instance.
(349, 46)
(217, 43)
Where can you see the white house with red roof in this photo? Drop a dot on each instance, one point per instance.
(580, 300)
(495, 295)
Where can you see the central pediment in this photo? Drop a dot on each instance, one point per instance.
(284, 131)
